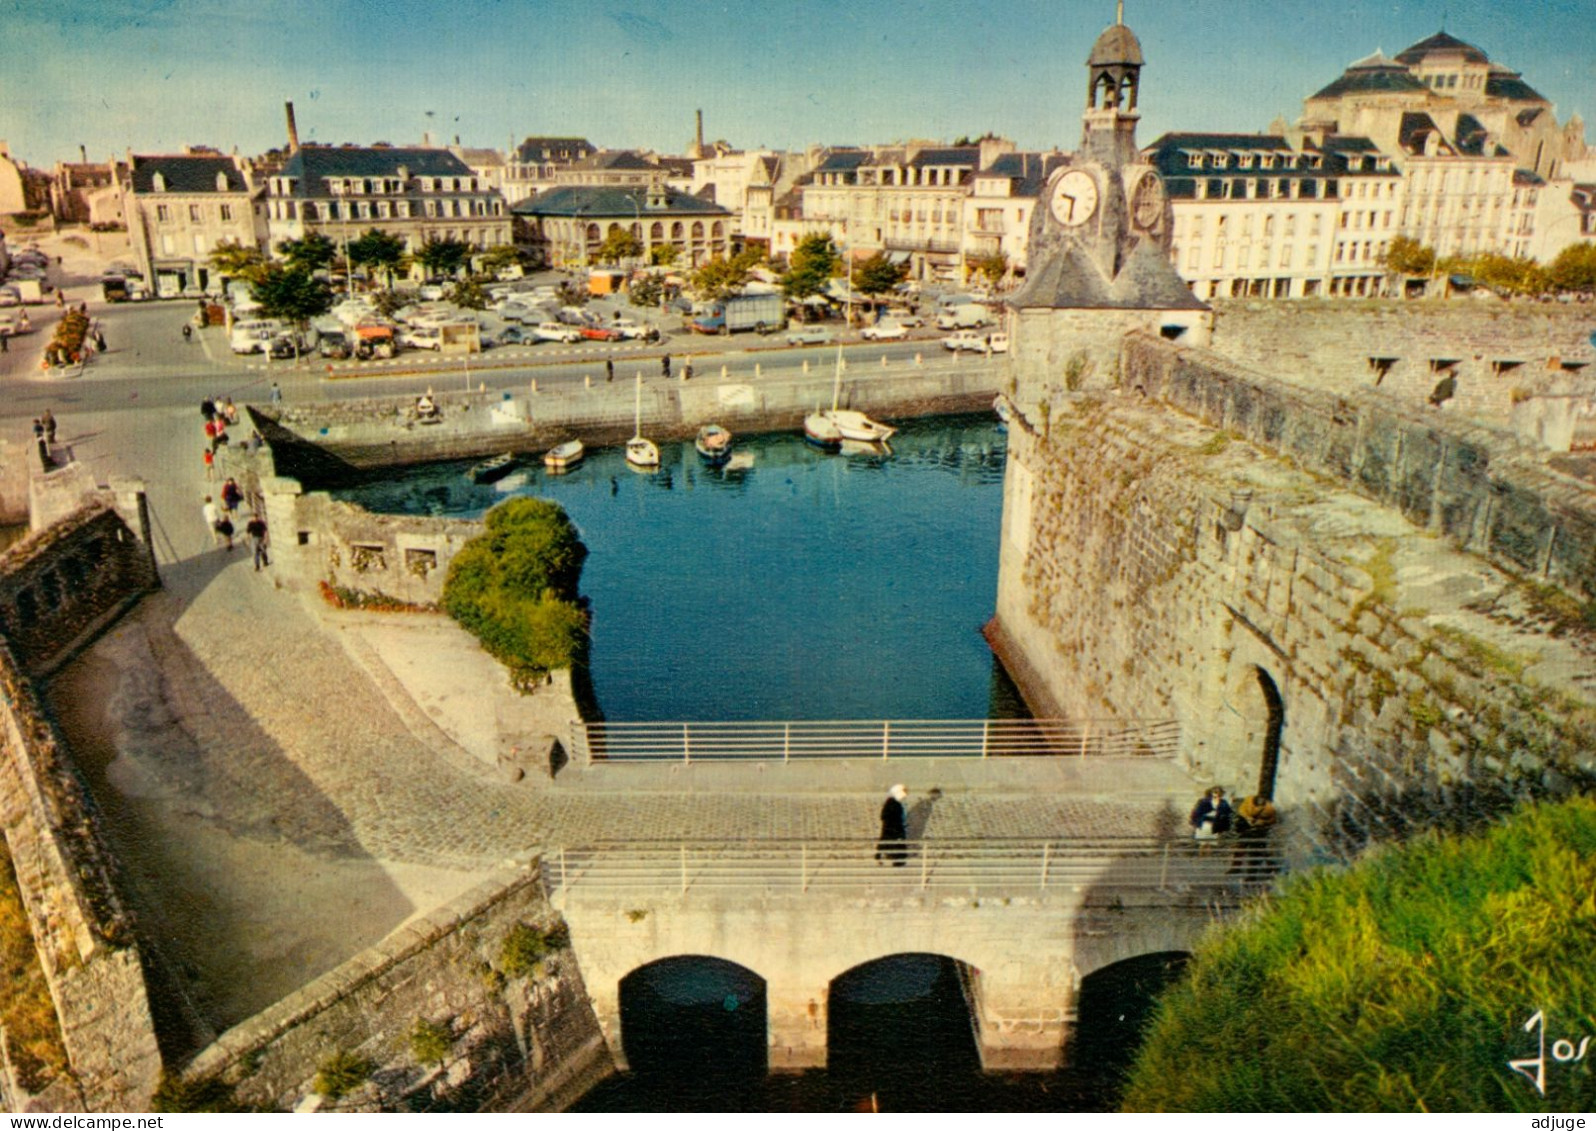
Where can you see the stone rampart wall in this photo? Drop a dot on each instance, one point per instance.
(1479, 488)
(1151, 567)
(528, 1041)
(64, 583)
(80, 929)
(1501, 350)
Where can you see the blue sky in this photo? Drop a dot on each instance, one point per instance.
(156, 74)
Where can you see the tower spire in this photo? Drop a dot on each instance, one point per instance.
(1119, 12)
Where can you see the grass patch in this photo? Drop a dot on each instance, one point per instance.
(1381, 568)
(1216, 444)
(341, 1073)
(1400, 984)
(525, 948)
(1483, 656)
(430, 1042)
(26, 1009)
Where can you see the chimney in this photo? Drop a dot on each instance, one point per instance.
(83, 154)
(698, 136)
(293, 130)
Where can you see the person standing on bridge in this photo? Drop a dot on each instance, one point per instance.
(893, 848)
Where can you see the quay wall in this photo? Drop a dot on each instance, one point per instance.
(323, 443)
(1201, 554)
(1502, 355)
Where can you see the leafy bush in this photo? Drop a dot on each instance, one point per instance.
(27, 1012)
(525, 948)
(341, 1074)
(175, 1094)
(1402, 984)
(514, 588)
(430, 1042)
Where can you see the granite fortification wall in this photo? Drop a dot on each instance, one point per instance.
(81, 573)
(1154, 567)
(522, 1041)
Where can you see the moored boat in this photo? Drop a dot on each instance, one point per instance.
(714, 444)
(821, 431)
(641, 452)
(492, 469)
(563, 457)
(853, 425)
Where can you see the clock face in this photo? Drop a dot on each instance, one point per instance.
(1147, 203)
(1074, 198)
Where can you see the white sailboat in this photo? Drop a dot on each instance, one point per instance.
(641, 452)
(828, 428)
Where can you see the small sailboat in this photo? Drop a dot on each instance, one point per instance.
(821, 431)
(490, 470)
(641, 452)
(714, 444)
(849, 423)
(563, 457)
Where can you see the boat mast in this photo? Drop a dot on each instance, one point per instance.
(847, 322)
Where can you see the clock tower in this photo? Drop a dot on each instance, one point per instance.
(1099, 254)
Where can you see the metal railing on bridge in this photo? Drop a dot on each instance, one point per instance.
(1015, 866)
(874, 739)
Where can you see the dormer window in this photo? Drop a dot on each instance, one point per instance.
(221, 182)
(158, 182)
(1267, 161)
(1246, 161)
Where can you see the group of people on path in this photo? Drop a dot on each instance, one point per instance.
(218, 414)
(1213, 816)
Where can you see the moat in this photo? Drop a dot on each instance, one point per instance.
(790, 585)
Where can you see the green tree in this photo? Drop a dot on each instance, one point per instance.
(992, 267)
(618, 245)
(443, 257)
(235, 261)
(469, 295)
(500, 256)
(810, 267)
(312, 253)
(387, 303)
(1407, 256)
(514, 587)
(719, 277)
(646, 291)
(663, 254)
(1402, 983)
(379, 251)
(878, 274)
(1574, 269)
(1513, 276)
(292, 294)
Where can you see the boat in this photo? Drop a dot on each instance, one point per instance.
(821, 431)
(563, 457)
(490, 470)
(714, 444)
(641, 452)
(849, 423)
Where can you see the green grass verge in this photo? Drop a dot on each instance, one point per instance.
(26, 1010)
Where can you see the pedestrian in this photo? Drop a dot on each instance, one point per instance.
(892, 847)
(665, 366)
(231, 495)
(211, 428)
(188, 333)
(609, 369)
(99, 340)
(277, 394)
(229, 411)
(208, 409)
(256, 529)
(1211, 816)
(1255, 815)
(38, 429)
(213, 519)
(48, 420)
(60, 300)
(210, 465)
(687, 371)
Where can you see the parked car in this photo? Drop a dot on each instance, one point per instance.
(571, 316)
(556, 332)
(421, 338)
(809, 335)
(601, 333)
(965, 340)
(885, 332)
(999, 343)
(336, 345)
(629, 328)
(903, 316)
(509, 336)
(431, 292)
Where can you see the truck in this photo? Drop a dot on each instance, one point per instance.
(114, 288)
(966, 316)
(762, 313)
(29, 290)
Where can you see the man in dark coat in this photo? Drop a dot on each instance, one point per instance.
(1211, 816)
(894, 828)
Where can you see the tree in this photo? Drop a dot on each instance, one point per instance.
(720, 277)
(312, 253)
(469, 295)
(1407, 256)
(1401, 983)
(443, 257)
(663, 254)
(993, 267)
(1574, 269)
(514, 587)
(378, 250)
(500, 256)
(647, 291)
(292, 294)
(878, 274)
(1508, 275)
(235, 261)
(618, 245)
(812, 264)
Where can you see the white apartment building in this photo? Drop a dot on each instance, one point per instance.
(179, 207)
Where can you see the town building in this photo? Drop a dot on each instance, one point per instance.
(997, 212)
(487, 165)
(87, 192)
(420, 195)
(533, 164)
(566, 226)
(180, 206)
(12, 196)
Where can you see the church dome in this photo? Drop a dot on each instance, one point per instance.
(1117, 46)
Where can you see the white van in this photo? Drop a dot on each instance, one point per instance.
(253, 335)
(965, 317)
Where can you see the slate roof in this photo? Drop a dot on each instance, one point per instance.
(1376, 75)
(1027, 172)
(313, 164)
(605, 200)
(1072, 280)
(1511, 87)
(962, 155)
(1441, 44)
(844, 161)
(1170, 155)
(623, 159)
(185, 173)
(1117, 44)
(535, 149)
(1412, 128)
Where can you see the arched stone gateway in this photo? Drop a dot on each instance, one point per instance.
(694, 1015)
(1113, 1008)
(904, 1022)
